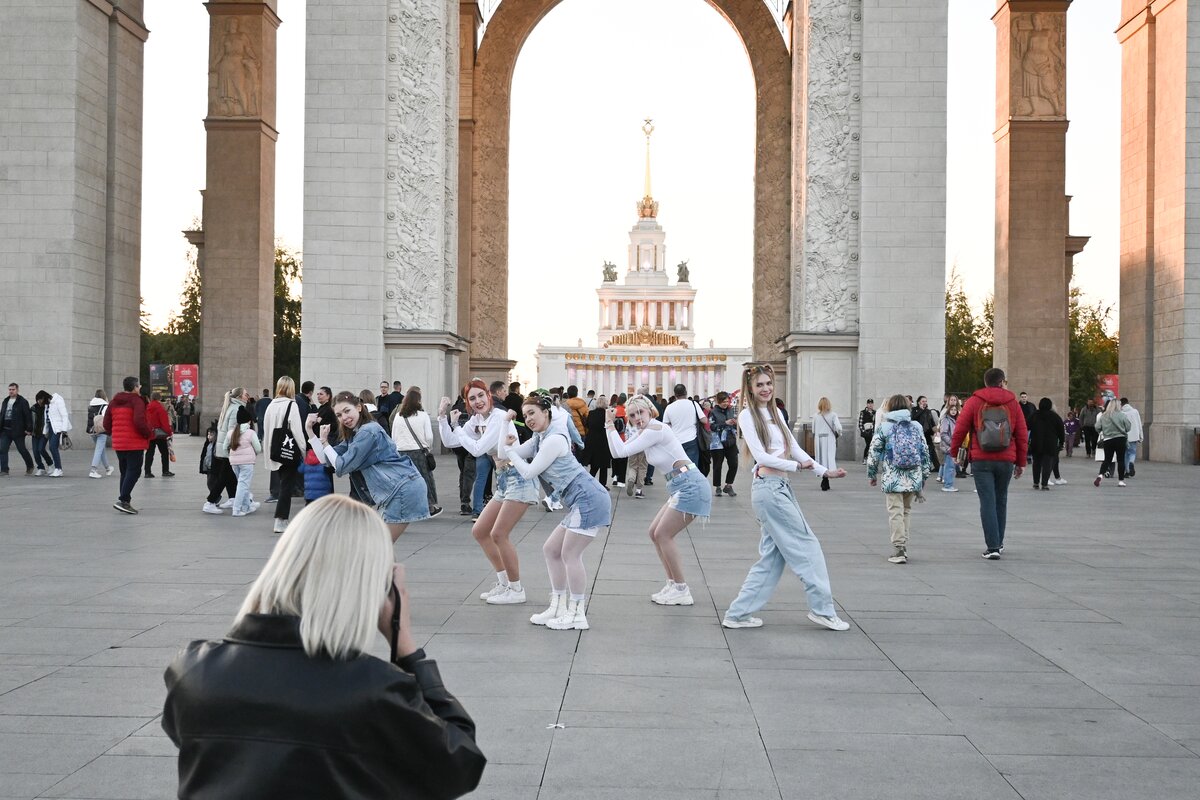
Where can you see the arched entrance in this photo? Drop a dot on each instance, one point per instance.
(485, 106)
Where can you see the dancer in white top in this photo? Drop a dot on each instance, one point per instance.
(513, 494)
(787, 540)
(688, 495)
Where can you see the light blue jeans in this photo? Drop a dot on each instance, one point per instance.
(100, 454)
(1130, 454)
(786, 540)
(483, 470)
(947, 471)
(241, 500)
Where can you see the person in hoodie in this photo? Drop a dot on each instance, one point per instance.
(159, 421)
(901, 485)
(1114, 429)
(1047, 435)
(56, 422)
(125, 421)
(96, 409)
(993, 468)
(244, 448)
(1135, 435)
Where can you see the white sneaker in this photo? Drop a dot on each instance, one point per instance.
(571, 619)
(1119, 483)
(748, 622)
(95, 473)
(949, 489)
(226, 504)
(620, 484)
(280, 526)
(212, 508)
(39, 472)
(253, 507)
(673, 596)
(495, 591)
(508, 597)
(557, 606)
(1062, 481)
(654, 597)
(56, 473)
(833, 623)
(109, 470)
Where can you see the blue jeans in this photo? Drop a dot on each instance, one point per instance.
(948, 471)
(130, 462)
(241, 499)
(483, 470)
(786, 541)
(54, 442)
(991, 482)
(100, 453)
(7, 438)
(40, 456)
(1130, 455)
(692, 449)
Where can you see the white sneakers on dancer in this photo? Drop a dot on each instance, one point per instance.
(558, 604)
(495, 591)
(673, 594)
(510, 596)
(571, 619)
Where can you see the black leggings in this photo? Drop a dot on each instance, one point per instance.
(164, 453)
(1114, 447)
(729, 457)
(1043, 465)
(221, 479)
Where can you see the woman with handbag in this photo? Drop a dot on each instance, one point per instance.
(284, 444)
(479, 436)
(827, 429)
(413, 435)
(161, 433)
(724, 431)
(379, 475)
(946, 435)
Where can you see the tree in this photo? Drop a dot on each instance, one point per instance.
(968, 338)
(289, 269)
(1093, 351)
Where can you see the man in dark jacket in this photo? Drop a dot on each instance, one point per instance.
(866, 426)
(513, 402)
(260, 411)
(994, 467)
(125, 421)
(16, 422)
(1087, 419)
(390, 403)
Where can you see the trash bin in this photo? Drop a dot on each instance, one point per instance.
(807, 439)
(194, 424)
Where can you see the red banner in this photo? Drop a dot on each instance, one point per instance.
(186, 380)
(1108, 387)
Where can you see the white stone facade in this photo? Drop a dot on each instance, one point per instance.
(70, 195)
(615, 370)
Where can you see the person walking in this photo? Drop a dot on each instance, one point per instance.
(1047, 435)
(95, 427)
(220, 475)
(38, 442)
(620, 466)
(723, 421)
(999, 440)
(827, 429)
(685, 418)
(379, 475)
(595, 442)
(282, 418)
(413, 434)
(183, 411)
(899, 464)
(1087, 419)
(946, 427)
(481, 435)
(1135, 435)
(58, 424)
(1114, 427)
(1071, 427)
(161, 433)
(291, 704)
(547, 456)
(866, 427)
(787, 539)
(688, 495)
(927, 418)
(244, 449)
(16, 422)
(125, 420)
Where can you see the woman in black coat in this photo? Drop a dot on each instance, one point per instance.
(1046, 437)
(595, 445)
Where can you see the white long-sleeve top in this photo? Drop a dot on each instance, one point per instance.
(553, 447)
(656, 440)
(420, 426)
(480, 435)
(775, 453)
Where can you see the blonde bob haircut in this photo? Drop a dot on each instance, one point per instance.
(285, 387)
(642, 402)
(332, 568)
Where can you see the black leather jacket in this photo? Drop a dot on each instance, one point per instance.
(255, 717)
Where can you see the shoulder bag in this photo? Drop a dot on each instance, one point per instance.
(430, 461)
(703, 435)
(285, 450)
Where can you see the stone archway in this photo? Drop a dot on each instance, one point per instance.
(486, 109)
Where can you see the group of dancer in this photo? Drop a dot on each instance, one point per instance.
(545, 463)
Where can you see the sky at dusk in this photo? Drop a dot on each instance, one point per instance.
(589, 74)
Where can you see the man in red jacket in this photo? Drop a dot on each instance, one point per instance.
(125, 421)
(997, 455)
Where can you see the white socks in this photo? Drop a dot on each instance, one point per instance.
(502, 577)
(516, 586)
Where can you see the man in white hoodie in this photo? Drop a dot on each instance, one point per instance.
(1135, 435)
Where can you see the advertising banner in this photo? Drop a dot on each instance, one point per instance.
(186, 380)
(1108, 387)
(160, 379)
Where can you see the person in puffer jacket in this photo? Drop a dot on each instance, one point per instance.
(901, 485)
(317, 482)
(125, 421)
(244, 448)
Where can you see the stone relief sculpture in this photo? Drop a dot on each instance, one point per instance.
(610, 271)
(1038, 56)
(682, 271)
(238, 73)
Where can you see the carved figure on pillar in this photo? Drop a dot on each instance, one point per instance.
(682, 271)
(238, 72)
(1037, 43)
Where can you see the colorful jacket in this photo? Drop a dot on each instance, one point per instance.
(125, 421)
(893, 478)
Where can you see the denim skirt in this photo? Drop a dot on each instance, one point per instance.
(689, 493)
(510, 486)
(589, 504)
(409, 503)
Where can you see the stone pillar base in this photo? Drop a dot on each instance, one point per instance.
(824, 365)
(1170, 442)
(427, 359)
(491, 369)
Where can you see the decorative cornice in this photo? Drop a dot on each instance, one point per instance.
(240, 124)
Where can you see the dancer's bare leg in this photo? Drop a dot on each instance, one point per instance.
(509, 515)
(396, 528)
(482, 531)
(666, 526)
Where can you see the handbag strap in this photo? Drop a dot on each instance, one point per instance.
(414, 435)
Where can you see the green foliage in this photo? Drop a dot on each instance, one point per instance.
(288, 276)
(968, 339)
(1093, 351)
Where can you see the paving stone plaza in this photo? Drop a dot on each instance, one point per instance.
(1068, 669)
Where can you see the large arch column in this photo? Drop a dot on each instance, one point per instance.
(507, 32)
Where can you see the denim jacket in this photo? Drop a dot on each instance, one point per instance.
(371, 454)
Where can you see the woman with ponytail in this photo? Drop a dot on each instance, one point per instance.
(220, 474)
